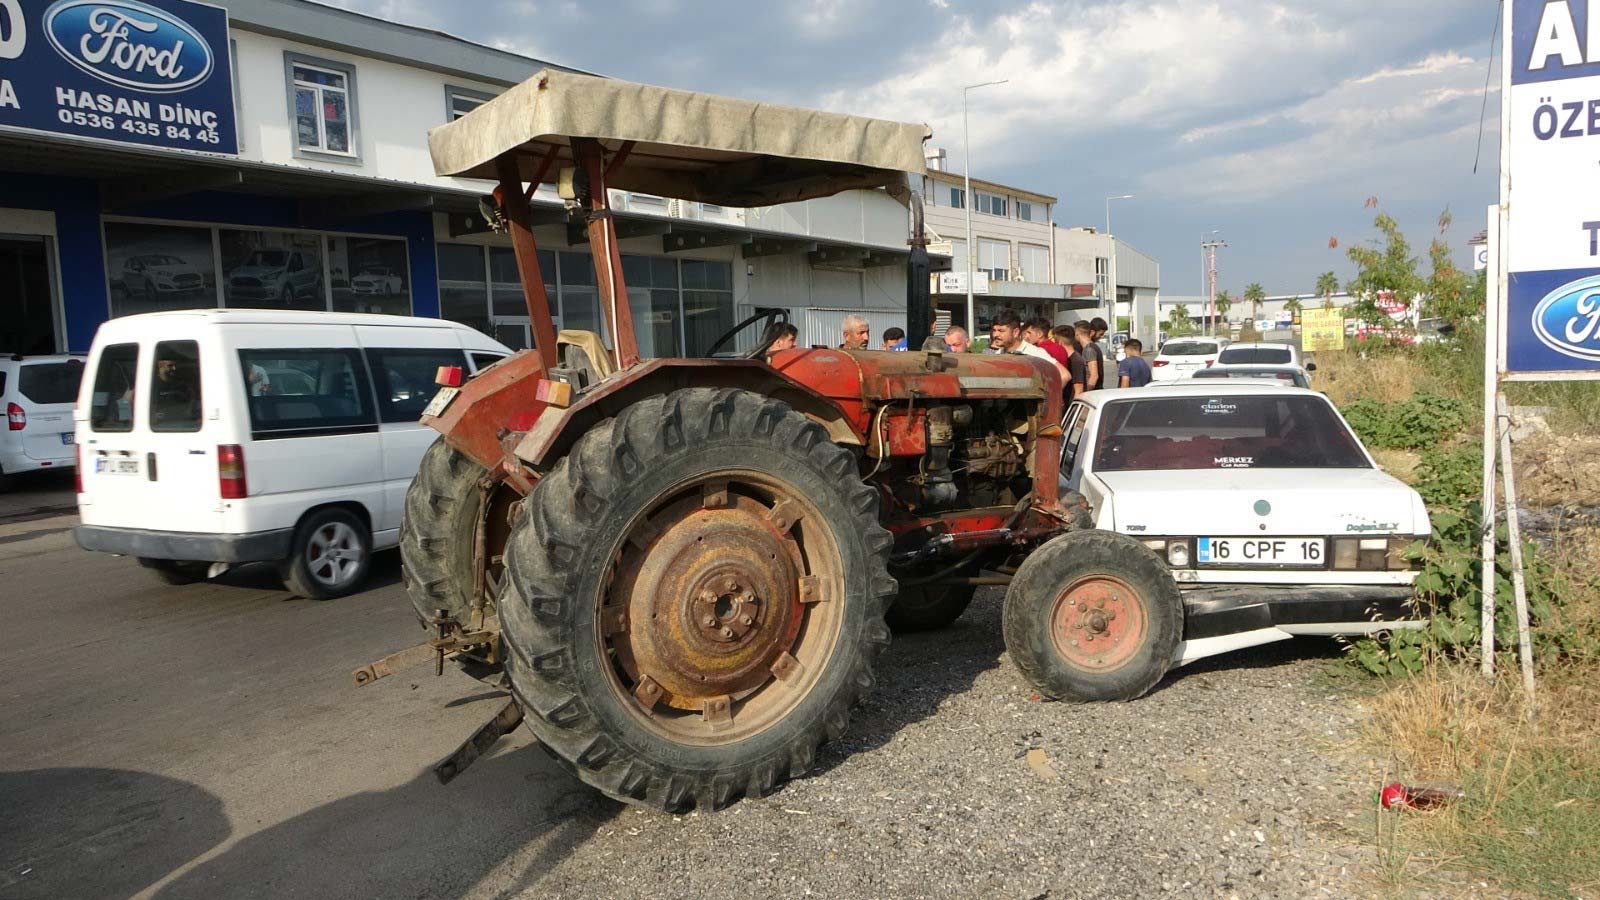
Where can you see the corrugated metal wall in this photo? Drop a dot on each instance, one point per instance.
(1135, 268)
(824, 327)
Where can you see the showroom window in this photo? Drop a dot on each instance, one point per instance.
(272, 270)
(653, 296)
(322, 106)
(994, 259)
(460, 101)
(707, 303)
(152, 268)
(480, 286)
(369, 275)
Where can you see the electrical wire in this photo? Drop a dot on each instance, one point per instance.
(1494, 39)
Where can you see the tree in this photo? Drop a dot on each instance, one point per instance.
(1178, 320)
(1224, 303)
(1446, 292)
(1253, 295)
(1327, 286)
(1293, 305)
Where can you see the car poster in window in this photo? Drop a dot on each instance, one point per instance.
(154, 72)
(1552, 218)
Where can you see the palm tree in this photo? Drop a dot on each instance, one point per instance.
(1327, 285)
(1253, 295)
(1293, 305)
(1224, 303)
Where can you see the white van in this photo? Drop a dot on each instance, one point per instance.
(213, 437)
(37, 393)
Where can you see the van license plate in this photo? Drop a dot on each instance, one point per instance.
(116, 465)
(1255, 551)
(66, 438)
(440, 400)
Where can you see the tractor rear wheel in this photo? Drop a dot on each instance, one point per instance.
(694, 599)
(439, 529)
(1093, 615)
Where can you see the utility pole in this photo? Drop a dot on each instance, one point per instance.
(1209, 248)
(966, 180)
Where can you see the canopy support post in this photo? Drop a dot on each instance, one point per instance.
(602, 230)
(514, 203)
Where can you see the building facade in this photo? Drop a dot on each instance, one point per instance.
(277, 157)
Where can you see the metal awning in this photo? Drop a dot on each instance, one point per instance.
(683, 144)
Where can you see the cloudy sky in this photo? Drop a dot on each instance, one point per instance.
(1273, 122)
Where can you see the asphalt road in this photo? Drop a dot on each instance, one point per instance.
(207, 741)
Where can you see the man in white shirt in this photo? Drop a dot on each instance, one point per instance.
(1005, 336)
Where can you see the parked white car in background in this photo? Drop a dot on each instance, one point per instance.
(376, 280)
(215, 437)
(1179, 357)
(1272, 517)
(37, 393)
(1263, 353)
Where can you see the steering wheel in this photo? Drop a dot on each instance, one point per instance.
(771, 315)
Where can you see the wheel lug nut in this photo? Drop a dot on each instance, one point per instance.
(709, 621)
(727, 632)
(1083, 607)
(746, 620)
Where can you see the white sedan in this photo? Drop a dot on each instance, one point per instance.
(1181, 357)
(1271, 516)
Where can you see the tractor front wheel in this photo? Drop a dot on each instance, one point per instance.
(695, 595)
(1093, 615)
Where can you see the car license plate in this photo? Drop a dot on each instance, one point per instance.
(1261, 551)
(440, 400)
(117, 465)
(66, 438)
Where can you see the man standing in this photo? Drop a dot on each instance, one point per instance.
(1093, 358)
(1005, 336)
(856, 332)
(1098, 328)
(955, 337)
(894, 338)
(1133, 371)
(1077, 370)
(1037, 333)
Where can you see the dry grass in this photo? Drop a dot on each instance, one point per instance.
(1402, 464)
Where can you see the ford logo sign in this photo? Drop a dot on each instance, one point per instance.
(1567, 320)
(129, 44)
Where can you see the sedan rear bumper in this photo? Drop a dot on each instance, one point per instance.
(1219, 619)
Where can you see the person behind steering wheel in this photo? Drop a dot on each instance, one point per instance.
(781, 336)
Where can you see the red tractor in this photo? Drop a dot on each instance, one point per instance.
(683, 569)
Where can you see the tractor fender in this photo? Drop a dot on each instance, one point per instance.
(557, 429)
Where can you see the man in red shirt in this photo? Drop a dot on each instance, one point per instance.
(1037, 333)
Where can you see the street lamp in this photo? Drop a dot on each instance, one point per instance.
(966, 178)
(1108, 208)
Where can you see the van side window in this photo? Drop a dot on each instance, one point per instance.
(175, 387)
(306, 393)
(405, 379)
(111, 407)
(481, 361)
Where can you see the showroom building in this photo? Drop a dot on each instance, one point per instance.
(168, 154)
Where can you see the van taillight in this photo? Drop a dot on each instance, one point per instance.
(230, 472)
(16, 417)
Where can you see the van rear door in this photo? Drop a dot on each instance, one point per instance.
(404, 363)
(45, 392)
(148, 456)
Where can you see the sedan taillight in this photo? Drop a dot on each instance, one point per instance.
(1159, 363)
(16, 417)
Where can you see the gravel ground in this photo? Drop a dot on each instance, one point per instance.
(1230, 779)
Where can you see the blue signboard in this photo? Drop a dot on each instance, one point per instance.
(154, 72)
(1551, 318)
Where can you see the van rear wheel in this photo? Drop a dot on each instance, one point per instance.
(329, 556)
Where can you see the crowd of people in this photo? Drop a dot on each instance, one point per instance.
(1077, 351)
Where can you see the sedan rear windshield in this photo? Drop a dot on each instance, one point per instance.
(55, 382)
(1188, 348)
(1256, 356)
(1225, 432)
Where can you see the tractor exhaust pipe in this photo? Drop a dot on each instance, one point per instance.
(919, 299)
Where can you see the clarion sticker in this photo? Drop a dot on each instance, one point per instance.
(129, 44)
(1567, 320)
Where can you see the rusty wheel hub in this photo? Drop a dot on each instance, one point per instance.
(1099, 623)
(715, 609)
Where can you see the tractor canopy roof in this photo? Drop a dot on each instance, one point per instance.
(687, 145)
